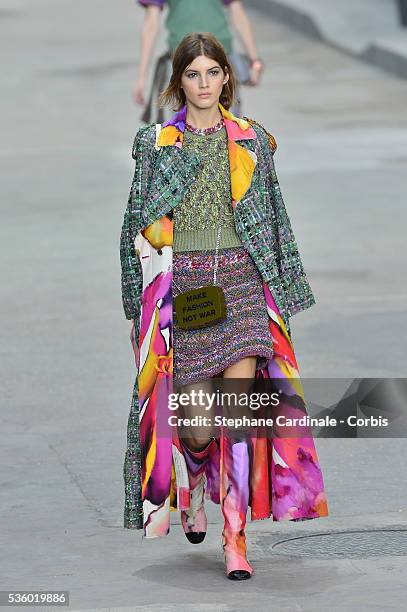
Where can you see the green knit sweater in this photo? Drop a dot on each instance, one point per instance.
(196, 217)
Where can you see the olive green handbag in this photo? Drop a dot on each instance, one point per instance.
(200, 307)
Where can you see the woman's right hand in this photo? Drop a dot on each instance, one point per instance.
(138, 92)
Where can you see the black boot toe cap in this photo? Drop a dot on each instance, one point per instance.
(196, 537)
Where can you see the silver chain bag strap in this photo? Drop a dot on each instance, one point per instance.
(203, 306)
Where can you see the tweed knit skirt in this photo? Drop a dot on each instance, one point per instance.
(202, 353)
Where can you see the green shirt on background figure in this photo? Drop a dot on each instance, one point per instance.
(186, 16)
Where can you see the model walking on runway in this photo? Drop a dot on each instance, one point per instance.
(205, 211)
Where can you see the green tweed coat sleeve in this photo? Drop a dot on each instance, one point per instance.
(131, 273)
(299, 295)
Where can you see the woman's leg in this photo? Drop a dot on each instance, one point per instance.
(242, 372)
(245, 368)
(197, 436)
(234, 486)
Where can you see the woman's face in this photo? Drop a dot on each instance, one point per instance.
(203, 76)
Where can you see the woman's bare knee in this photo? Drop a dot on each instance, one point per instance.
(244, 368)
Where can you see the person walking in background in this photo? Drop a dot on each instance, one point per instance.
(186, 16)
(205, 200)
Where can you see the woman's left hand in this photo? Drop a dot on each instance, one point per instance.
(255, 72)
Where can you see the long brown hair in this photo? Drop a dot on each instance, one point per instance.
(191, 46)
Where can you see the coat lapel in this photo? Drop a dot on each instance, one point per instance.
(242, 159)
